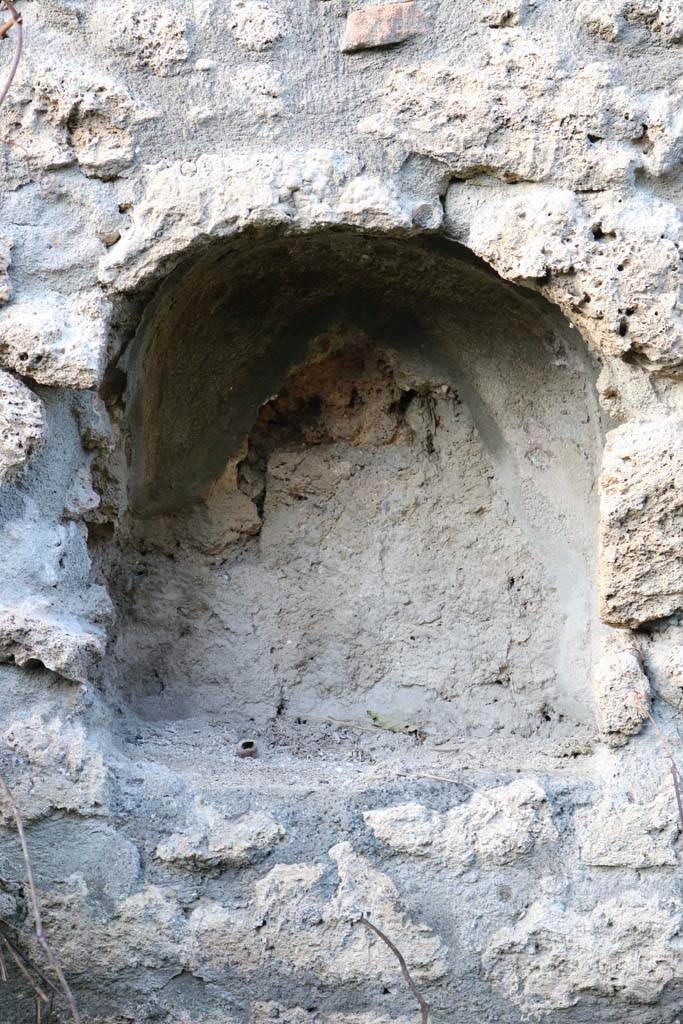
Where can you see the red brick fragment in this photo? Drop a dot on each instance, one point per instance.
(383, 25)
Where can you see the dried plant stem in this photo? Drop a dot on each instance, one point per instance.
(14, 20)
(15, 950)
(417, 775)
(23, 969)
(360, 726)
(422, 1002)
(41, 938)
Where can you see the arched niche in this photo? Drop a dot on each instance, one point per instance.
(360, 482)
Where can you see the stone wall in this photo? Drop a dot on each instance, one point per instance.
(341, 411)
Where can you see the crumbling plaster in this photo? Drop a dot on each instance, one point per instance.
(544, 137)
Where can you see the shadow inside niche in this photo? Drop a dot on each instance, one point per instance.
(361, 482)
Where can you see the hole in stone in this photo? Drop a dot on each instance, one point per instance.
(598, 232)
(360, 490)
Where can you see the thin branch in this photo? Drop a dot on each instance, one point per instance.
(16, 19)
(37, 916)
(417, 775)
(422, 1003)
(19, 961)
(4, 937)
(675, 774)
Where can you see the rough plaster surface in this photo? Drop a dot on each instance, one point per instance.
(21, 422)
(641, 522)
(393, 495)
(315, 318)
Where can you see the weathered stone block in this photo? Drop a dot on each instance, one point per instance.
(212, 839)
(59, 766)
(21, 424)
(56, 341)
(36, 631)
(641, 523)
(625, 834)
(556, 952)
(267, 932)
(5, 286)
(622, 694)
(496, 826)
(383, 25)
(255, 25)
(154, 38)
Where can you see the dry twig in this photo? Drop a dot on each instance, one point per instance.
(22, 966)
(14, 21)
(422, 1002)
(417, 775)
(15, 951)
(41, 938)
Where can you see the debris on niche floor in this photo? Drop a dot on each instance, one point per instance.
(393, 723)
(325, 745)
